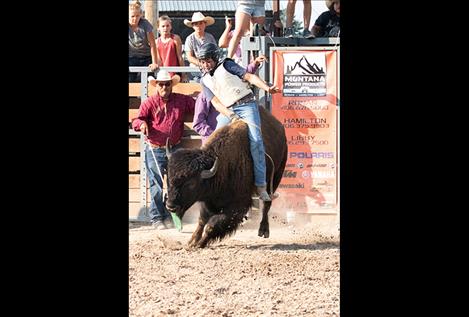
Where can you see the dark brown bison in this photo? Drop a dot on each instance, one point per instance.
(220, 176)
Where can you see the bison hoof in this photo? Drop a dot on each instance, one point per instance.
(194, 246)
(263, 233)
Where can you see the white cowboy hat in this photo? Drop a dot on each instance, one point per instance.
(330, 3)
(197, 17)
(163, 75)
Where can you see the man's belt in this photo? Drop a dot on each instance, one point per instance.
(244, 100)
(157, 146)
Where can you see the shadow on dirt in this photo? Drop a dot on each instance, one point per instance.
(284, 246)
(139, 224)
(296, 246)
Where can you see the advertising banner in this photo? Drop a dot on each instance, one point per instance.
(307, 107)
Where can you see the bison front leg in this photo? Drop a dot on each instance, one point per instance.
(264, 226)
(218, 227)
(203, 219)
(197, 233)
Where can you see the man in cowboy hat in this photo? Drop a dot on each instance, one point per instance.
(197, 38)
(328, 23)
(161, 120)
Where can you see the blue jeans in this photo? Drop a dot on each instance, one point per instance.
(139, 61)
(250, 113)
(157, 210)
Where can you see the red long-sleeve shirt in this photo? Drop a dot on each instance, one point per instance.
(163, 124)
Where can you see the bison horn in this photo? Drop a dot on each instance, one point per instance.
(168, 154)
(209, 173)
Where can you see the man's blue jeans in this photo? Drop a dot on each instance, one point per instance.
(250, 113)
(157, 210)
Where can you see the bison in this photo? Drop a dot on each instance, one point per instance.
(220, 176)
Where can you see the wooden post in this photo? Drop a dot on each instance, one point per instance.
(151, 12)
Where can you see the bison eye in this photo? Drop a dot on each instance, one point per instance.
(191, 184)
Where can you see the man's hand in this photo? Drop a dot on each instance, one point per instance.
(144, 128)
(259, 59)
(274, 89)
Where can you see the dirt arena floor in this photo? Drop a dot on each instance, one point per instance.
(295, 272)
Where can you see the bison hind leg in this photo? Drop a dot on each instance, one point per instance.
(264, 225)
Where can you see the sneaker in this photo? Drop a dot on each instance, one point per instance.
(168, 223)
(289, 32)
(159, 225)
(307, 34)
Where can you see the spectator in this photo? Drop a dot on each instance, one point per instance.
(142, 47)
(247, 13)
(161, 120)
(195, 40)
(328, 23)
(306, 18)
(276, 28)
(226, 36)
(205, 115)
(224, 84)
(169, 46)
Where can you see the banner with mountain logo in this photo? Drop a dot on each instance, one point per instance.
(307, 107)
(304, 75)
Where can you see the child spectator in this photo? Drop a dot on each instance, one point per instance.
(142, 47)
(195, 40)
(248, 12)
(169, 46)
(226, 36)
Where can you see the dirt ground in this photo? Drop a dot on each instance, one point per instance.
(295, 272)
